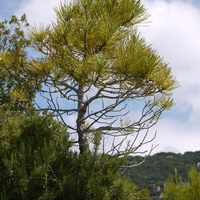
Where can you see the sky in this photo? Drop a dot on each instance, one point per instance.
(173, 29)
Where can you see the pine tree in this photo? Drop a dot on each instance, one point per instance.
(97, 67)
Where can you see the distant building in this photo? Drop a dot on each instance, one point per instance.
(157, 188)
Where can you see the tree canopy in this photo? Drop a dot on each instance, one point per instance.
(33, 149)
(175, 188)
(13, 58)
(96, 66)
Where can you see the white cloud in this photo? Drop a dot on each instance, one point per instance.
(39, 12)
(175, 32)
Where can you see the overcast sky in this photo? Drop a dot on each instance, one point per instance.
(174, 31)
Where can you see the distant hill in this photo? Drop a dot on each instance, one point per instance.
(156, 169)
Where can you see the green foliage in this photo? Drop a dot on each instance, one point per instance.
(89, 45)
(14, 83)
(30, 151)
(98, 177)
(176, 189)
(36, 163)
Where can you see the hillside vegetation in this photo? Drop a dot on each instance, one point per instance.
(157, 168)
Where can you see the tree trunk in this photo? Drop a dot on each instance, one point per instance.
(81, 130)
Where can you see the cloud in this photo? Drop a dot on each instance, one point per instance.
(39, 12)
(175, 31)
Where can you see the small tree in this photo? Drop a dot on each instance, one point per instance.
(176, 189)
(13, 58)
(96, 67)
